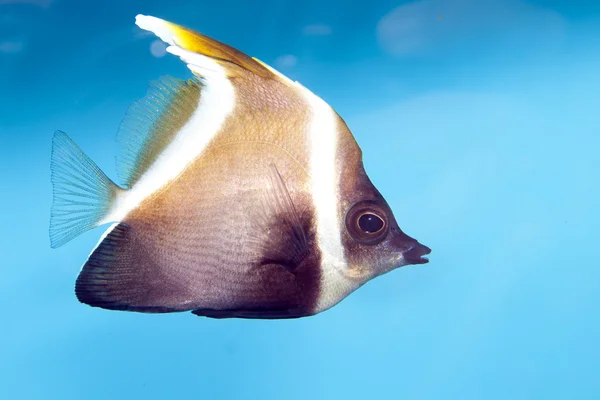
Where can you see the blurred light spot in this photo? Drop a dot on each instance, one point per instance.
(158, 48)
(286, 61)
(317, 30)
(11, 47)
(491, 26)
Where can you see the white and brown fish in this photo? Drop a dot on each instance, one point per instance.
(243, 195)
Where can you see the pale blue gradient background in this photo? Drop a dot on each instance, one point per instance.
(480, 123)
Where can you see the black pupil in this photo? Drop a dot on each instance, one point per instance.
(370, 223)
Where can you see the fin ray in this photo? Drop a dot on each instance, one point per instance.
(82, 193)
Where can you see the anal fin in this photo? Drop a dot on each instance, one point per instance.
(120, 274)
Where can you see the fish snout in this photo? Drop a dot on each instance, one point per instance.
(415, 255)
(412, 251)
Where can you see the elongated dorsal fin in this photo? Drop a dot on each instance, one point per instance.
(191, 41)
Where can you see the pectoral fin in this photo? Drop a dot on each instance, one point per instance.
(278, 235)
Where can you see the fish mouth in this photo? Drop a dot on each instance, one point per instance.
(415, 255)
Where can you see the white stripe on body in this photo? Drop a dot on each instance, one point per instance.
(217, 100)
(325, 182)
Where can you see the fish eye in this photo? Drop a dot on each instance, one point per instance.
(367, 223)
(370, 223)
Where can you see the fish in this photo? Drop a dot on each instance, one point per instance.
(241, 194)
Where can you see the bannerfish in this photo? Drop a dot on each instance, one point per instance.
(242, 194)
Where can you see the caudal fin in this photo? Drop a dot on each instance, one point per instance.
(83, 194)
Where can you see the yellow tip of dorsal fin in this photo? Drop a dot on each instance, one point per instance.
(195, 42)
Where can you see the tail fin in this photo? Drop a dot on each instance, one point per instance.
(83, 194)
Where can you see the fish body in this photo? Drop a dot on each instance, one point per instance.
(242, 194)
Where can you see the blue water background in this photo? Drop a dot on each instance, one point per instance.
(480, 124)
